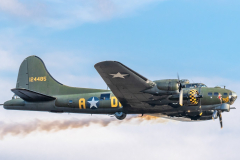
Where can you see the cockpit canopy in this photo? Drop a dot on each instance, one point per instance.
(185, 81)
(194, 85)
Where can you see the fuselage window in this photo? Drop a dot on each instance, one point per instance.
(225, 94)
(105, 96)
(70, 102)
(215, 93)
(210, 94)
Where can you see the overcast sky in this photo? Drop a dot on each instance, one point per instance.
(199, 39)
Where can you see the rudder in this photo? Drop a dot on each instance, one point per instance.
(33, 75)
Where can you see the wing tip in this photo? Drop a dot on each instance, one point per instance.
(108, 64)
(104, 62)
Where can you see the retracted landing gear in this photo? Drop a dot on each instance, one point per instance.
(120, 115)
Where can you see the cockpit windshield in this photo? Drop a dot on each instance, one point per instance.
(195, 85)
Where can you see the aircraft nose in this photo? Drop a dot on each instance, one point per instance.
(232, 97)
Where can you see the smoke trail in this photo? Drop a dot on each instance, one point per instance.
(37, 125)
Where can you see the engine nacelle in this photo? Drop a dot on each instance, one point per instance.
(168, 84)
(120, 115)
(205, 115)
(224, 107)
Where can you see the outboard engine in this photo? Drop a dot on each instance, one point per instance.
(168, 84)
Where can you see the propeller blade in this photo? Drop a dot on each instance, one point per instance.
(179, 83)
(1, 104)
(181, 98)
(233, 108)
(200, 101)
(220, 118)
(214, 116)
(180, 86)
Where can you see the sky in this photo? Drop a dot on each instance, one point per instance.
(198, 39)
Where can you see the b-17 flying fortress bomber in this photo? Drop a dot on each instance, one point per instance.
(131, 93)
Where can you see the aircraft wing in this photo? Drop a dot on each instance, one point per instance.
(126, 84)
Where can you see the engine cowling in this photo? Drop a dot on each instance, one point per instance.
(168, 84)
(224, 107)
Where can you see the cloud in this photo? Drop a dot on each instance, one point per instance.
(141, 142)
(14, 7)
(8, 62)
(5, 85)
(24, 129)
(61, 14)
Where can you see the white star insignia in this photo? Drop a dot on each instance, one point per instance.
(119, 75)
(93, 103)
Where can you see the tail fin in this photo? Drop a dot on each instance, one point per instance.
(34, 76)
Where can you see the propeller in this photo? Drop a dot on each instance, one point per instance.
(179, 83)
(220, 118)
(181, 98)
(200, 101)
(215, 114)
(180, 91)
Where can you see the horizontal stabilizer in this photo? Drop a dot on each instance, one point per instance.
(31, 96)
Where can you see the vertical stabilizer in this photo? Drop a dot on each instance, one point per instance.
(34, 76)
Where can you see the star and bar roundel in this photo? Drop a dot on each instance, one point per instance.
(93, 103)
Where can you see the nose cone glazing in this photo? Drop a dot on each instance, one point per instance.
(232, 97)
